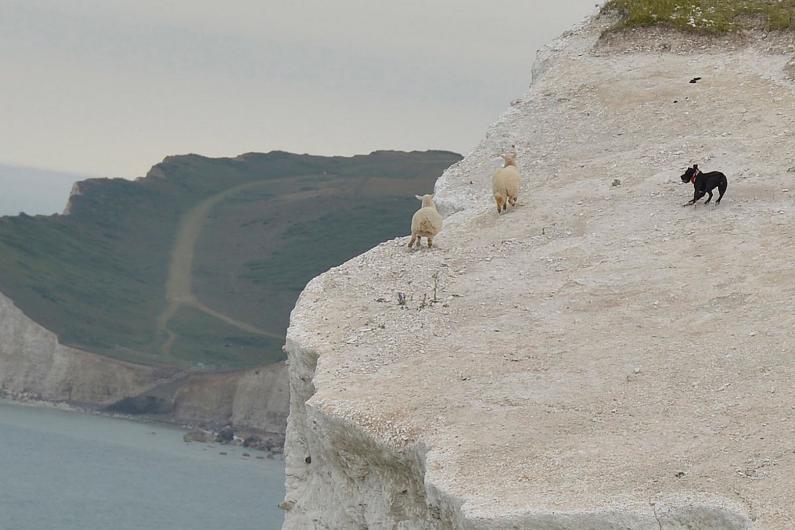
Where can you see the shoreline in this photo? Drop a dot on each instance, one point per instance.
(142, 420)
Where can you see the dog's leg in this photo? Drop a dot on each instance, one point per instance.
(708, 198)
(692, 201)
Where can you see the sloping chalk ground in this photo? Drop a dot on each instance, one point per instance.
(599, 357)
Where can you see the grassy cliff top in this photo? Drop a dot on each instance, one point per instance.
(705, 16)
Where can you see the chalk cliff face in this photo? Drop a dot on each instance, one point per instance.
(255, 399)
(34, 364)
(599, 357)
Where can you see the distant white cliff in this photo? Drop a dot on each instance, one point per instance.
(34, 365)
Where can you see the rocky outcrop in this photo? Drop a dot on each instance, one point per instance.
(789, 69)
(253, 401)
(599, 357)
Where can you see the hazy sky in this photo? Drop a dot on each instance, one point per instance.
(110, 87)
(33, 191)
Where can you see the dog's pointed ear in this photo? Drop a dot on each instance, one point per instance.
(695, 166)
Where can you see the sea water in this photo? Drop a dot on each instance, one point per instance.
(63, 470)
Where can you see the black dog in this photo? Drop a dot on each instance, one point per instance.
(704, 183)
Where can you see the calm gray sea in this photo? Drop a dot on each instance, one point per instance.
(69, 471)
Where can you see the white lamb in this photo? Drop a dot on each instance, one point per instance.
(505, 183)
(426, 222)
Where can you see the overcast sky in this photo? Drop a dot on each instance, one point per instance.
(110, 87)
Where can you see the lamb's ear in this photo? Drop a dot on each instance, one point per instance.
(419, 198)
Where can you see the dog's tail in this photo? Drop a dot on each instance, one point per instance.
(723, 185)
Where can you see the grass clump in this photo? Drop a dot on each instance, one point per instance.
(704, 16)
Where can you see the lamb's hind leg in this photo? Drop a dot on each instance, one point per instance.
(500, 204)
(430, 242)
(413, 239)
(512, 201)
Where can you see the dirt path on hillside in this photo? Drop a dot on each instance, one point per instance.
(180, 273)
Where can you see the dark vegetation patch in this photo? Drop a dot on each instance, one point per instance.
(316, 245)
(140, 405)
(207, 343)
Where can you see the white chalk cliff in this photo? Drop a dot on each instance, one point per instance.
(33, 364)
(600, 357)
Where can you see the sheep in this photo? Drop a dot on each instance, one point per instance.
(505, 183)
(426, 222)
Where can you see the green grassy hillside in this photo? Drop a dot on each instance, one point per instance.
(200, 263)
(705, 16)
